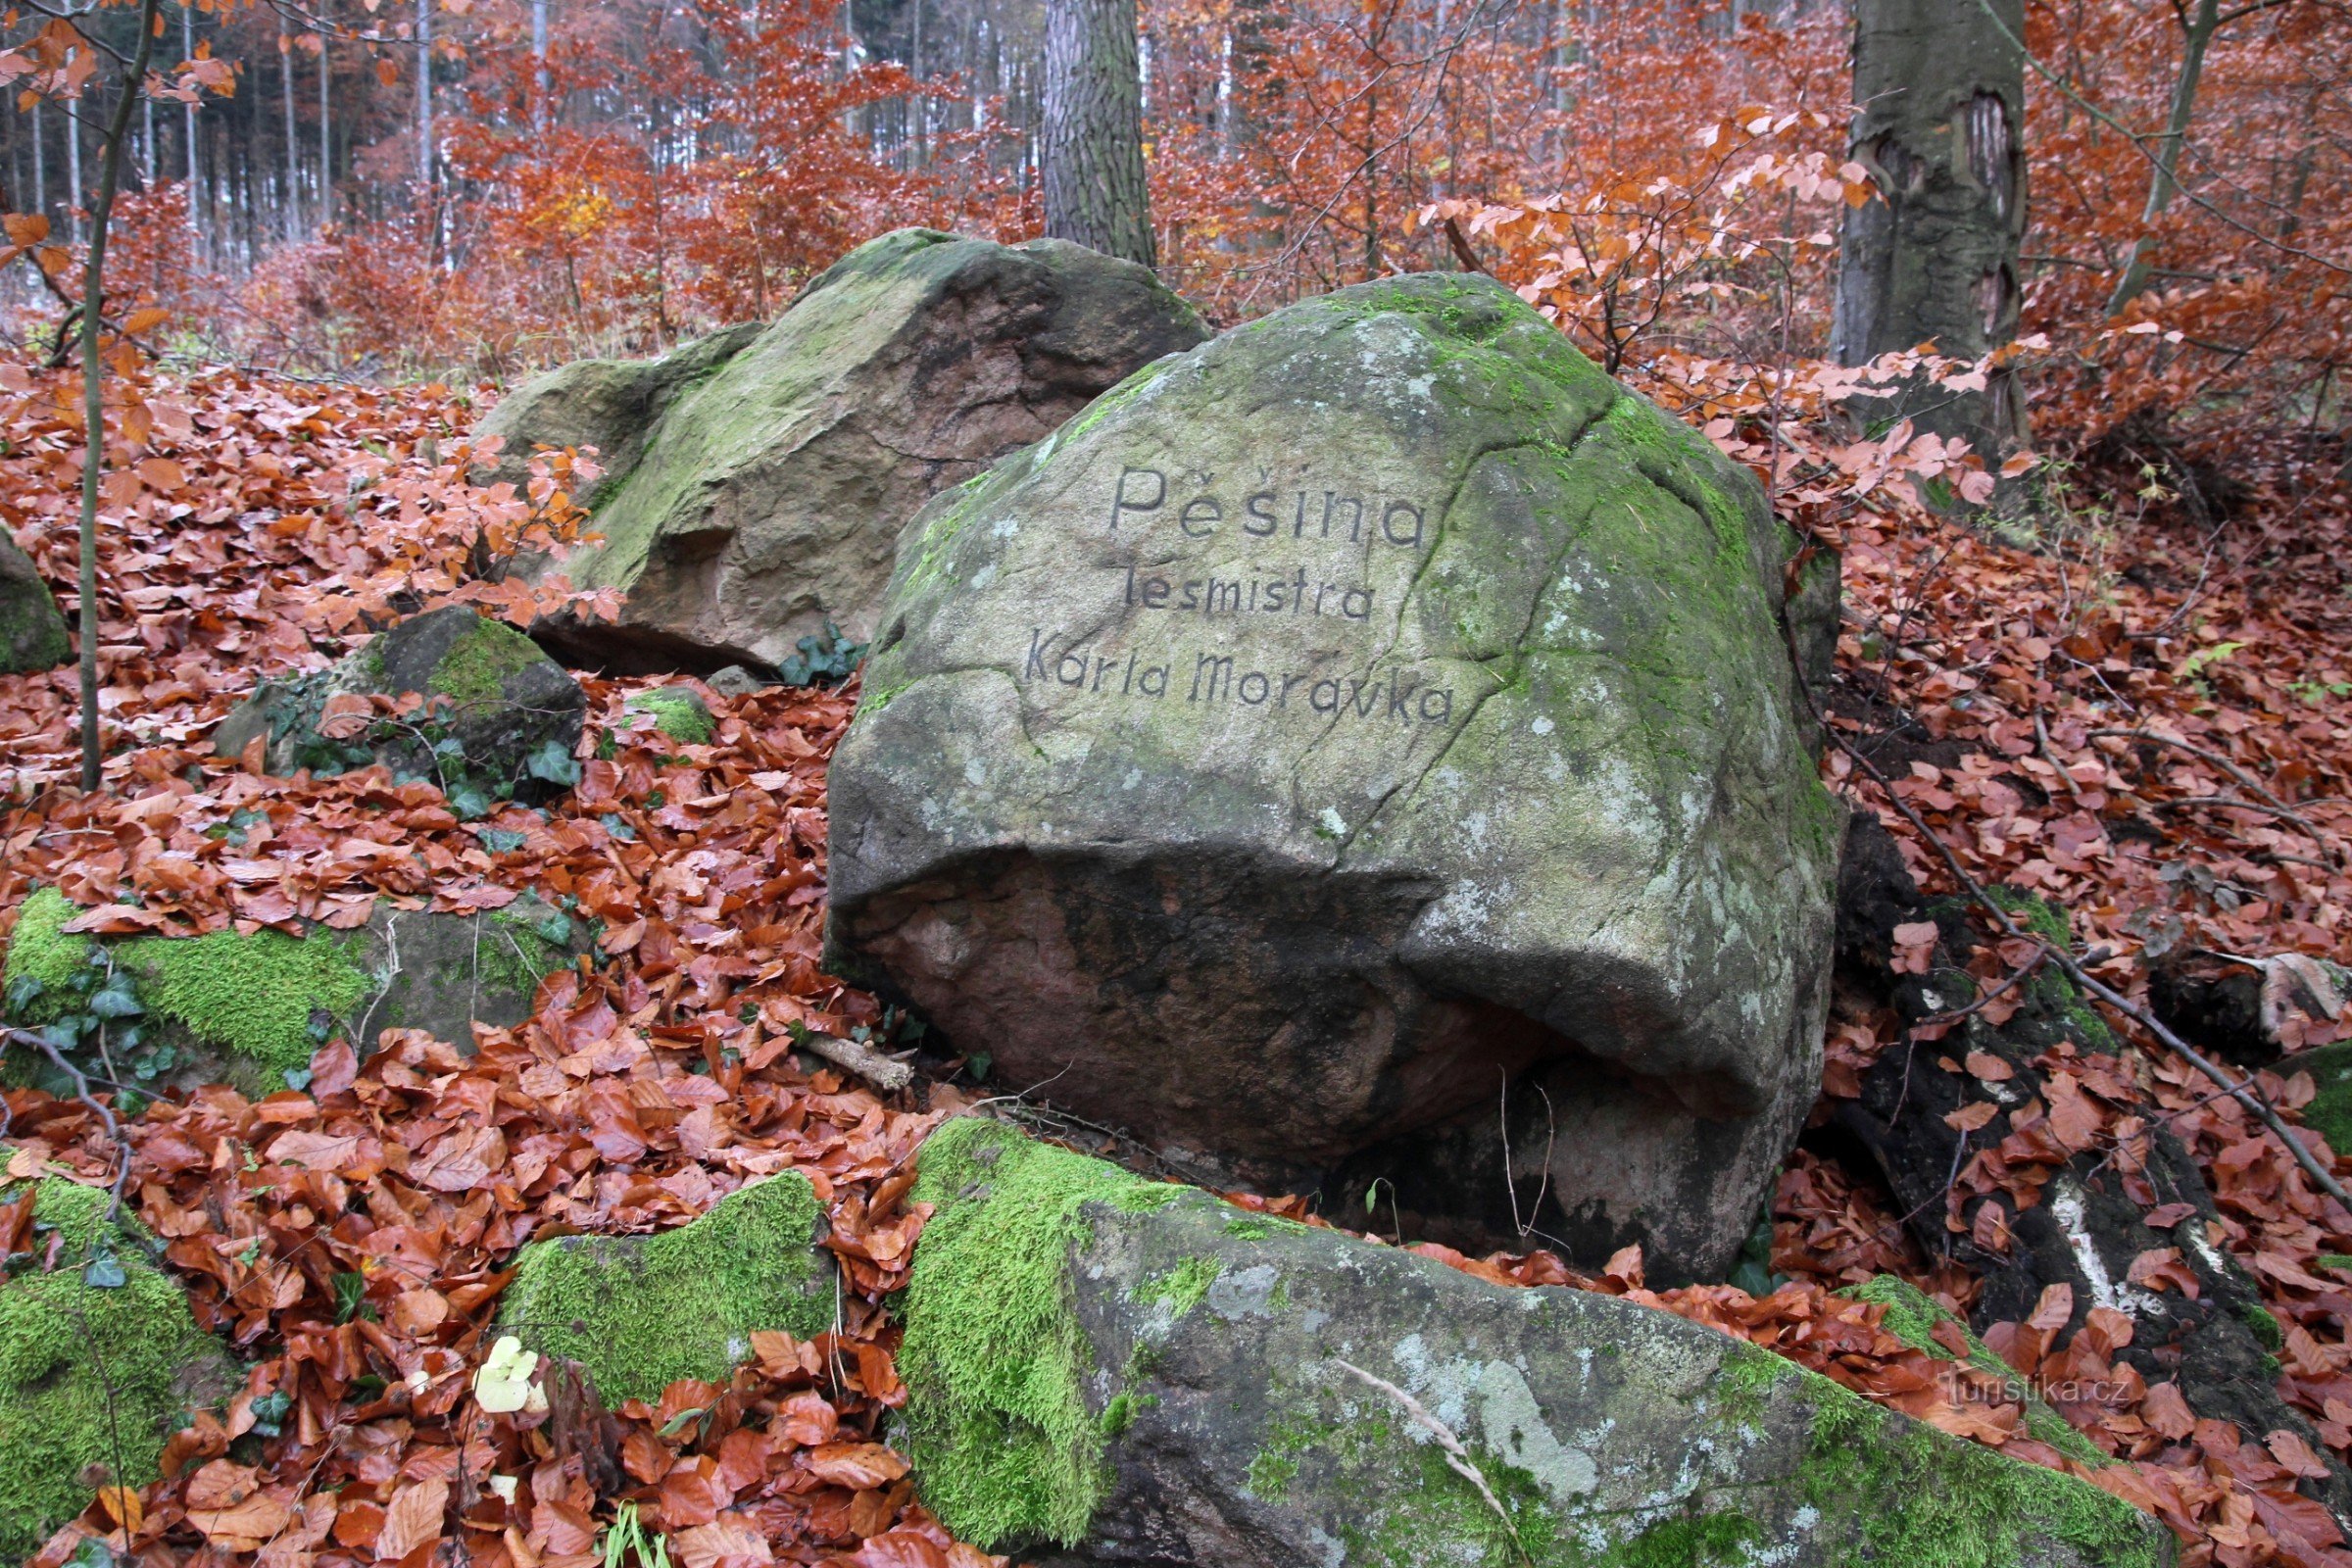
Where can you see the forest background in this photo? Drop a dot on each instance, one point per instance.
(357, 225)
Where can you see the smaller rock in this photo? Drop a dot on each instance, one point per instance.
(1145, 1377)
(642, 1311)
(33, 634)
(499, 720)
(246, 1011)
(99, 1360)
(679, 712)
(736, 681)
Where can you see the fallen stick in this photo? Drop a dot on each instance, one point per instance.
(855, 1055)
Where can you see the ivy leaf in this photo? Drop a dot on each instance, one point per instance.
(103, 1272)
(552, 764)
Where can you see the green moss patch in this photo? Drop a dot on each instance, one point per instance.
(254, 996)
(476, 665)
(1911, 1317)
(639, 1312)
(997, 1428)
(92, 1376)
(678, 714)
(1927, 1503)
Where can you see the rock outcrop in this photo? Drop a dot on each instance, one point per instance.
(611, 404)
(99, 1361)
(639, 1312)
(767, 498)
(1335, 724)
(33, 633)
(497, 720)
(1107, 1371)
(223, 1007)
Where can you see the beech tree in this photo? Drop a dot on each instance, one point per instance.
(1940, 86)
(1090, 154)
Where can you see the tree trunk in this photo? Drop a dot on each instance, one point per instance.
(2196, 35)
(1942, 89)
(285, 79)
(1092, 154)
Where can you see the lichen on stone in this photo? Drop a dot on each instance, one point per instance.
(91, 1376)
(639, 1312)
(998, 1433)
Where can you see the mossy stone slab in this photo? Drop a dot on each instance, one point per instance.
(246, 1011)
(1334, 723)
(768, 497)
(487, 690)
(93, 1377)
(1106, 1371)
(32, 632)
(639, 1312)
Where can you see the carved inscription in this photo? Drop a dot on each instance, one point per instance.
(1218, 571)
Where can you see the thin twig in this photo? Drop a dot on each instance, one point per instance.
(1457, 1456)
(114, 1128)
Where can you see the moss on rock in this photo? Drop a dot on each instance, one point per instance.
(639, 1312)
(253, 996)
(1912, 1316)
(93, 1377)
(678, 712)
(476, 665)
(1000, 1435)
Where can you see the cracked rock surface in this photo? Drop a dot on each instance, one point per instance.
(1342, 721)
(761, 484)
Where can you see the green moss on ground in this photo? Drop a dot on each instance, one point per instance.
(998, 1431)
(1911, 1317)
(476, 667)
(2330, 1112)
(1929, 1502)
(91, 1377)
(250, 995)
(642, 1312)
(678, 714)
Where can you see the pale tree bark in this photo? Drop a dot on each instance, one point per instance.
(286, 73)
(2197, 30)
(1091, 152)
(1941, 90)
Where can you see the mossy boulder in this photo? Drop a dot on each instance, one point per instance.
(33, 633)
(1337, 722)
(611, 404)
(769, 494)
(246, 1011)
(498, 719)
(1103, 1370)
(642, 1311)
(678, 712)
(99, 1361)
(2330, 1110)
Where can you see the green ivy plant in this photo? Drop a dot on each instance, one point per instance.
(825, 659)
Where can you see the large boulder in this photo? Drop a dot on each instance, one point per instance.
(767, 498)
(1335, 723)
(33, 634)
(247, 1011)
(1137, 1374)
(99, 1360)
(639, 1312)
(611, 404)
(497, 718)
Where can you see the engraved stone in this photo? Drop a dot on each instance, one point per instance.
(1335, 724)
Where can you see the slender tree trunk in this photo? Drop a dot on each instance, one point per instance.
(326, 142)
(1092, 153)
(93, 385)
(73, 112)
(425, 95)
(539, 65)
(1942, 89)
(40, 169)
(2164, 183)
(285, 79)
(196, 190)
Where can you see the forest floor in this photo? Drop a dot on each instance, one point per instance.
(2150, 725)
